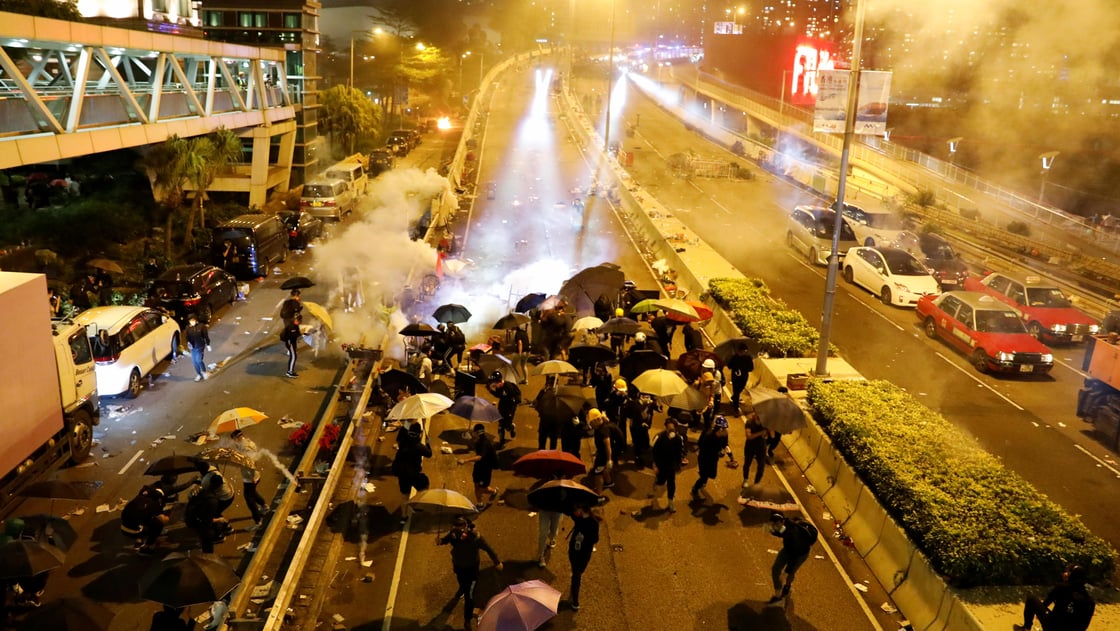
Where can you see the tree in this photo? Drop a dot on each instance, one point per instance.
(206, 158)
(346, 114)
(56, 9)
(165, 165)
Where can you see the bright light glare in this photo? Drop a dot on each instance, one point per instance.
(443, 123)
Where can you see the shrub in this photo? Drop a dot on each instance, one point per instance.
(1020, 228)
(976, 521)
(780, 331)
(738, 149)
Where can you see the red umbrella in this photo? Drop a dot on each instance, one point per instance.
(702, 310)
(546, 463)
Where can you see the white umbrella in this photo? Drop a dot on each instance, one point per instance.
(555, 367)
(423, 405)
(587, 323)
(660, 383)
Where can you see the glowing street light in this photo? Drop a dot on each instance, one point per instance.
(953, 144)
(1047, 162)
(610, 87)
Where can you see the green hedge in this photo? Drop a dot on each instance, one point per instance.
(780, 331)
(976, 521)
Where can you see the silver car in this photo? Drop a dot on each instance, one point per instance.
(810, 232)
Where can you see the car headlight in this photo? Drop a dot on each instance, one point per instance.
(903, 288)
(1047, 358)
(1058, 328)
(1094, 328)
(1005, 357)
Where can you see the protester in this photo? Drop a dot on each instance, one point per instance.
(797, 536)
(466, 560)
(55, 302)
(667, 449)
(581, 543)
(250, 478)
(521, 350)
(601, 467)
(614, 407)
(144, 518)
(711, 384)
(740, 364)
(198, 341)
(509, 397)
(204, 517)
(549, 423)
(485, 459)
(754, 449)
(693, 339)
(712, 445)
(572, 433)
(170, 619)
(292, 307)
(290, 337)
(601, 382)
(213, 479)
(104, 284)
(639, 412)
(548, 526)
(1068, 606)
(456, 344)
(408, 465)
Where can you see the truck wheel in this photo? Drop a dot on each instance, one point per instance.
(134, 384)
(849, 275)
(930, 328)
(885, 296)
(1035, 329)
(980, 361)
(81, 437)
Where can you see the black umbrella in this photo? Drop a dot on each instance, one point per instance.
(637, 362)
(68, 613)
(529, 302)
(23, 557)
(502, 364)
(560, 404)
(59, 490)
(182, 580)
(510, 321)
(691, 364)
(173, 464)
(725, 349)
(590, 283)
(587, 355)
(452, 313)
(297, 282)
(620, 325)
(475, 408)
(562, 496)
(50, 529)
(394, 380)
(418, 329)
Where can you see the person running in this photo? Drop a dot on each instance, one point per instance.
(712, 445)
(667, 449)
(485, 459)
(466, 560)
(290, 337)
(509, 397)
(408, 465)
(740, 364)
(754, 449)
(581, 543)
(798, 537)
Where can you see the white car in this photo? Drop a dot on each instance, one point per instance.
(894, 275)
(879, 229)
(128, 343)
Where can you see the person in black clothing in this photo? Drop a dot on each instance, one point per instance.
(572, 433)
(485, 459)
(581, 543)
(170, 619)
(408, 465)
(667, 449)
(754, 449)
(712, 445)
(797, 536)
(466, 560)
(601, 467)
(693, 339)
(638, 412)
(1068, 606)
(549, 423)
(290, 337)
(664, 328)
(152, 269)
(144, 517)
(613, 406)
(509, 397)
(204, 516)
(456, 344)
(104, 284)
(198, 341)
(80, 292)
(601, 383)
(292, 307)
(602, 307)
(521, 348)
(740, 364)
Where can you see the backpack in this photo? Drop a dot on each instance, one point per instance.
(808, 530)
(289, 309)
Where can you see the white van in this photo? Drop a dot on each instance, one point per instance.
(352, 172)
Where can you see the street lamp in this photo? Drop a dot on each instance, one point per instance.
(953, 144)
(610, 87)
(461, 58)
(1047, 162)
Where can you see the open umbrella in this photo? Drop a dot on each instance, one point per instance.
(297, 282)
(424, 405)
(235, 418)
(549, 303)
(442, 501)
(637, 362)
(59, 490)
(68, 613)
(23, 557)
(588, 284)
(49, 529)
(451, 313)
(418, 329)
(555, 367)
(725, 349)
(691, 363)
(173, 464)
(520, 607)
(587, 323)
(511, 321)
(545, 463)
(619, 326)
(561, 403)
(689, 399)
(185, 579)
(682, 311)
(394, 380)
(319, 311)
(529, 302)
(105, 264)
(645, 306)
(660, 383)
(777, 411)
(475, 409)
(502, 364)
(703, 312)
(587, 355)
(562, 496)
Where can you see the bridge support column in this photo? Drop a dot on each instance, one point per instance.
(284, 155)
(258, 173)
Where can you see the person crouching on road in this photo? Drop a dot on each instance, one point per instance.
(466, 560)
(1068, 605)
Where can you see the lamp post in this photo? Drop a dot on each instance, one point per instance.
(610, 87)
(953, 144)
(350, 84)
(1047, 162)
(461, 58)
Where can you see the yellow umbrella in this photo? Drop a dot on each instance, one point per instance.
(320, 312)
(236, 418)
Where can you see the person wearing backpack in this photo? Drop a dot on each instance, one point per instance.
(798, 537)
(291, 307)
(1067, 607)
(290, 337)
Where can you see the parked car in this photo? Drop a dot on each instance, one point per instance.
(329, 199)
(406, 137)
(303, 228)
(1044, 309)
(199, 289)
(988, 331)
(380, 160)
(892, 274)
(879, 228)
(397, 146)
(810, 230)
(942, 260)
(128, 343)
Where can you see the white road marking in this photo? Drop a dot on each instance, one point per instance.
(1099, 461)
(721, 206)
(134, 459)
(693, 185)
(977, 380)
(392, 601)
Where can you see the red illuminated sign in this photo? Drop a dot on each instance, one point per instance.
(801, 81)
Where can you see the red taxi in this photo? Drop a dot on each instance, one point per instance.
(986, 330)
(1047, 313)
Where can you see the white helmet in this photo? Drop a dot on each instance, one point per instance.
(639, 337)
(709, 364)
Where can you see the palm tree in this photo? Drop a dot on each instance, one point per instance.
(206, 157)
(166, 169)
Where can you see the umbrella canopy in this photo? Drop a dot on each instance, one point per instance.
(689, 399)
(587, 323)
(232, 456)
(394, 380)
(50, 529)
(418, 329)
(475, 408)
(678, 309)
(660, 383)
(555, 367)
(173, 464)
(442, 501)
(725, 349)
(645, 306)
(511, 321)
(319, 311)
(546, 463)
(182, 580)
(562, 496)
(768, 497)
(105, 264)
(424, 405)
(502, 364)
(520, 607)
(236, 418)
(68, 613)
(587, 355)
(560, 404)
(637, 362)
(22, 558)
(691, 363)
(620, 326)
(590, 283)
(451, 313)
(297, 282)
(58, 490)
(703, 312)
(549, 303)
(529, 302)
(777, 411)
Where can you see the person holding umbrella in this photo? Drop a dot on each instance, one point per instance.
(290, 337)
(509, 397)
(485, 459)
(467, 546)
(291, 307)
(740, 364)
(581, 543)
(667, 449)
(548, 423)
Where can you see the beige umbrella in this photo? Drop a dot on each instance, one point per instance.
(660, 383)
(679, 308)
(319, 311)
(236, 418)
(587, 323)
(423, 405)
(555, 367)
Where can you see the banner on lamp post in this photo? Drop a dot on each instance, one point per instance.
(832, 102)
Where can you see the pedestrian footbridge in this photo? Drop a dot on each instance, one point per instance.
(69, 89)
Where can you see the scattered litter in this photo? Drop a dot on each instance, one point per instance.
(248, 332)
(368, 578)
(338, 618)
(827, 516)
(77, 512)
(367, 563)
(811, 490)
(262, 590)
(369, 487)
(303, 596)
(887, 607)
(818, 556)
(532, 513)
(446, 450)
(294, 521)
(89, 463)
(266, 318)
(290, 424)
(103, 508)
(771, 551)
(860, 586)
(351, 558)
(1061, 424)
(168, 437)
(247, 547)
(106, 455)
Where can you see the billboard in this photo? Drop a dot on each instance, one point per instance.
(771, 64)
(831, 110)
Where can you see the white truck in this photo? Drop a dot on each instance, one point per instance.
(47, 385)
